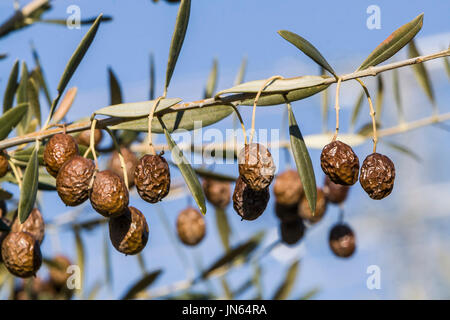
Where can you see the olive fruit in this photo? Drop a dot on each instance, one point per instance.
(256, 166)
(247, 202)
(34, 225)
(218, 193)
(21, 254)
(109, 195)
(340, 163)
(129, 232)
(335, 193)
(34, 289)
(58, 273)
(191, 226)
(73, 180)
(3, 209)
(84, 137)
(130, 160)
(286, 213)
(321, 207)
(3, 163)
(342, 240)
(288, 188)
(60, 148)
(377, 176)
(152, 178)
(291, 232)
(4, 233)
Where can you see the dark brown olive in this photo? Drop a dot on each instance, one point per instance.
(60, 148)
(342, 241)
(34, 225)
(256, 166)
(377, 176)
(152, 178)
(292, 232)
(191, 226)
(335, 193)
(321, 207)
(130, 160)
(218, 193)
(288, 188)
(340, 163)
(3, 163)
(247, 202)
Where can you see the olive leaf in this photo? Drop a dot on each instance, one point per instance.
(288, 282)
(447, 65)
(141, 262)
(33, 99)
(79, 248)
(309, 294)
(226, 289)
(223, 226)
(107, 258)
(5, 195)
(115, 92)
(82, 22)
(46, 182)
(3, 56)
(357, 108)
(65, 105)
(233, 257)
(187, 172)
(183, 119)
(29, 187)
(302, 161)
(137, 109)
(179, 33)
(94, 291)
(142, 284)
(421, 73)
(212, 81)
(240, 75)
(279, 90)
(204, 173)
(397, 40)
(325, 108)
(307, 48)
(40, 75)
(11, 87)
(11, 118)
(74, 62)
(22, 97)
(397, 94)
(403, 149)
(379, 98)
(152, 78)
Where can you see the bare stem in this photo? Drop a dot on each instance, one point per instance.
(238, 114)
(337, 107)
(150, 118)
(372, 115)
(119, 153)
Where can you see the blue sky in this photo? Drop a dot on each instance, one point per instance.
(230, 30)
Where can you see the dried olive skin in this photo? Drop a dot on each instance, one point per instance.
(60, 148)
(256, 166)
(3, 234)
(248, 203)
(288, 188)
(109, 195)
(340, 163)
(59, 276)
(73, 180)
(21, 254)
(377, 176)
(191, 227)
(84, 137)
(292, 232)
(342, 240)
(34, 225)
(3, 163)
(335, 193)
(218, 193)
(286, 213)
(305, 212)
(152, 178)
(130, 160)
(129, 232)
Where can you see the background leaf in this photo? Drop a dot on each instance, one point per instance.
(212, 81)
(79, 248)
(152, 77)
(397, 95)
(223, 226)
(379, 98)
(307, 48)
(357, 109)
(29, 188)
(137, 109)
(204, 173)
(11, 87)
(115, 92)
(11, 118)
(397, 40)
(287, 285)
(241, 74)
(141, 285)
(303, 161)
(181, 25)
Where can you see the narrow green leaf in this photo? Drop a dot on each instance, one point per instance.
(447, 65)
(40, 75)
(137, 109)
(204, 173)
(79, 248)
(325, 108)
(92, 295)
(397, 94)
(302, 161)
(187, 172)
(226, 289)
(114, 88)
(287, 285)
(256, 280)
(233, 256)
(357, 108)
(310, 294)
(22, 97)
(46, 182)
(223, 226)
(180, 120)
(241, 74)
(141, 262)
(33, 98)
(307, 48)
(379, 98)
(141, 285)
(83, 22)
(152, 77)
(11, 87)
(421, 72)
(11, 118)
(397, 40)
(29, 188)
(179, 33)
(367, 129)
(403, 149)
(212, 81)
(107, 258)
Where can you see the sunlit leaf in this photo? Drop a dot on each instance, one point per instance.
(421, 72)
(11, 118)
(11, 87)
(141, 285)
(287, 285)
(22, 97)
(226, 289)
(187, 172)
(447, 65)
(29, 187)
(141, 262)
(241, 74)
(397, 40)
(212, 81)
(115, 92)
(307, 48)
(137, 109)
(65, 105)
(357, 108)
(303, 161)
(325, 107)
(256, 280)
(223, 226)
(379, 98)
(33, 99)
(179, 33)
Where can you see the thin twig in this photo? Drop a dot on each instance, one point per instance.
(372, 114)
